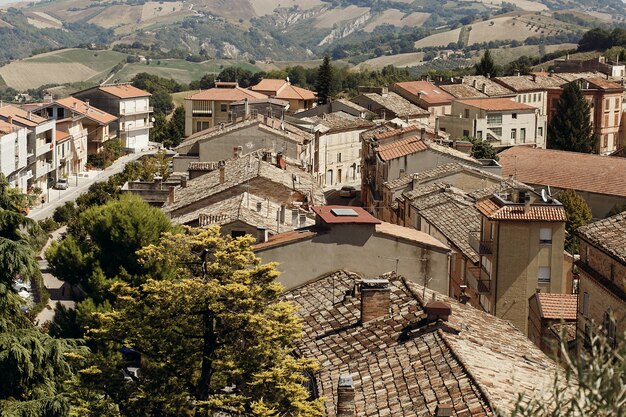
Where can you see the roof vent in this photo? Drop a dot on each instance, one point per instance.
(437, 310)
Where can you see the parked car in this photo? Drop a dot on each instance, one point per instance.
(347, 191)
(61, 184)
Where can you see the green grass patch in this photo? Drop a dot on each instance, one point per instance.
(181, 70)
(98, 60)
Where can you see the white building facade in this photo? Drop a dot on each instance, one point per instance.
(13, 155)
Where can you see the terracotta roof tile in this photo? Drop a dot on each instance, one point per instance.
(403, 366)
(496, 104)
(604, 84)
(462, 91)
(398, 105)
(124, 91)
(557, 306)
(226, 94)
(20, 116)
(608, 234)
(565, 170)
(493, 210)
(6, 128)
(88, 111)
(329, 216)
(427, 91)
(400, 148)
(62, 135)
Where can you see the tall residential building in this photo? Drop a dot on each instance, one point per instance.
(520, 244)
(502, 122)
(211, 107)
(99, 126)
(601, 286)
(130, 105)
(41, 140)
(13, 158)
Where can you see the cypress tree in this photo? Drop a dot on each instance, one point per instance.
(486, 66)
(324, 81)
(570, 129)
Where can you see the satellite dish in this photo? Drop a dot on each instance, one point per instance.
(544, 195)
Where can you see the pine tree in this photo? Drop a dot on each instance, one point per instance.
(486, 66)
(212, 332)
(324, 81)
(570, 129)
(33, 366)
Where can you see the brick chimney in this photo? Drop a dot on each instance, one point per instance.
(374, 299)
(222, 174)
(345, 396)
(171, 198)
(437, 310)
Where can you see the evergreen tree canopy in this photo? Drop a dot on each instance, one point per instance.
(211, 330)
(33, 365)
(570, 129)
(486, 66)
(481, 149)
(578, 215)
(16, 254)
(324, 81)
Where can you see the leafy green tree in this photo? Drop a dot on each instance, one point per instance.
(64, 213)
(595, 39)
(33, 365)
(578, 215)
(486, 66)
(68, 261)
(212, 332)
(324, 81)
(175, 128)
(236, 74)
(121, 227)
(570, 129)
(593, 384)
(481, 149)
(162, 102)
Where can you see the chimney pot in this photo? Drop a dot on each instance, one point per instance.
(436, 310)
(345, 396)
(375, 299)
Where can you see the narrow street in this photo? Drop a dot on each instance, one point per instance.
(80, 185)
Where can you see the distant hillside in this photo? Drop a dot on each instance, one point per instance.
(291, 29)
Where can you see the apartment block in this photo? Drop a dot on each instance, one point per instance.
(211, 107)
(41, 139)
(521, 246)
(13, 155)
(502, 122)
(130, 105)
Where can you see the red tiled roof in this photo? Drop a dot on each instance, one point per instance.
(124, 91)
(427, 91)
(557, 306)
(21, 116)
(496, 104)
(395, 132)
(226, 94)
(281, 89)
(6, 128)
(604, 84)
(516, 212)
(400, 148)
(286, 237)
(89, 111)
(566, 170)
(362, 217)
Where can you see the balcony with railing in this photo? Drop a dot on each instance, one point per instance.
(480, 246)
(130, 112)
(479, 280)
(129, 128)
(43, 149)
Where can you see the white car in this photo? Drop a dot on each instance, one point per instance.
(347, 191)
(62, 184)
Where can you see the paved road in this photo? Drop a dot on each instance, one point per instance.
(333, 198)
(59, 197)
